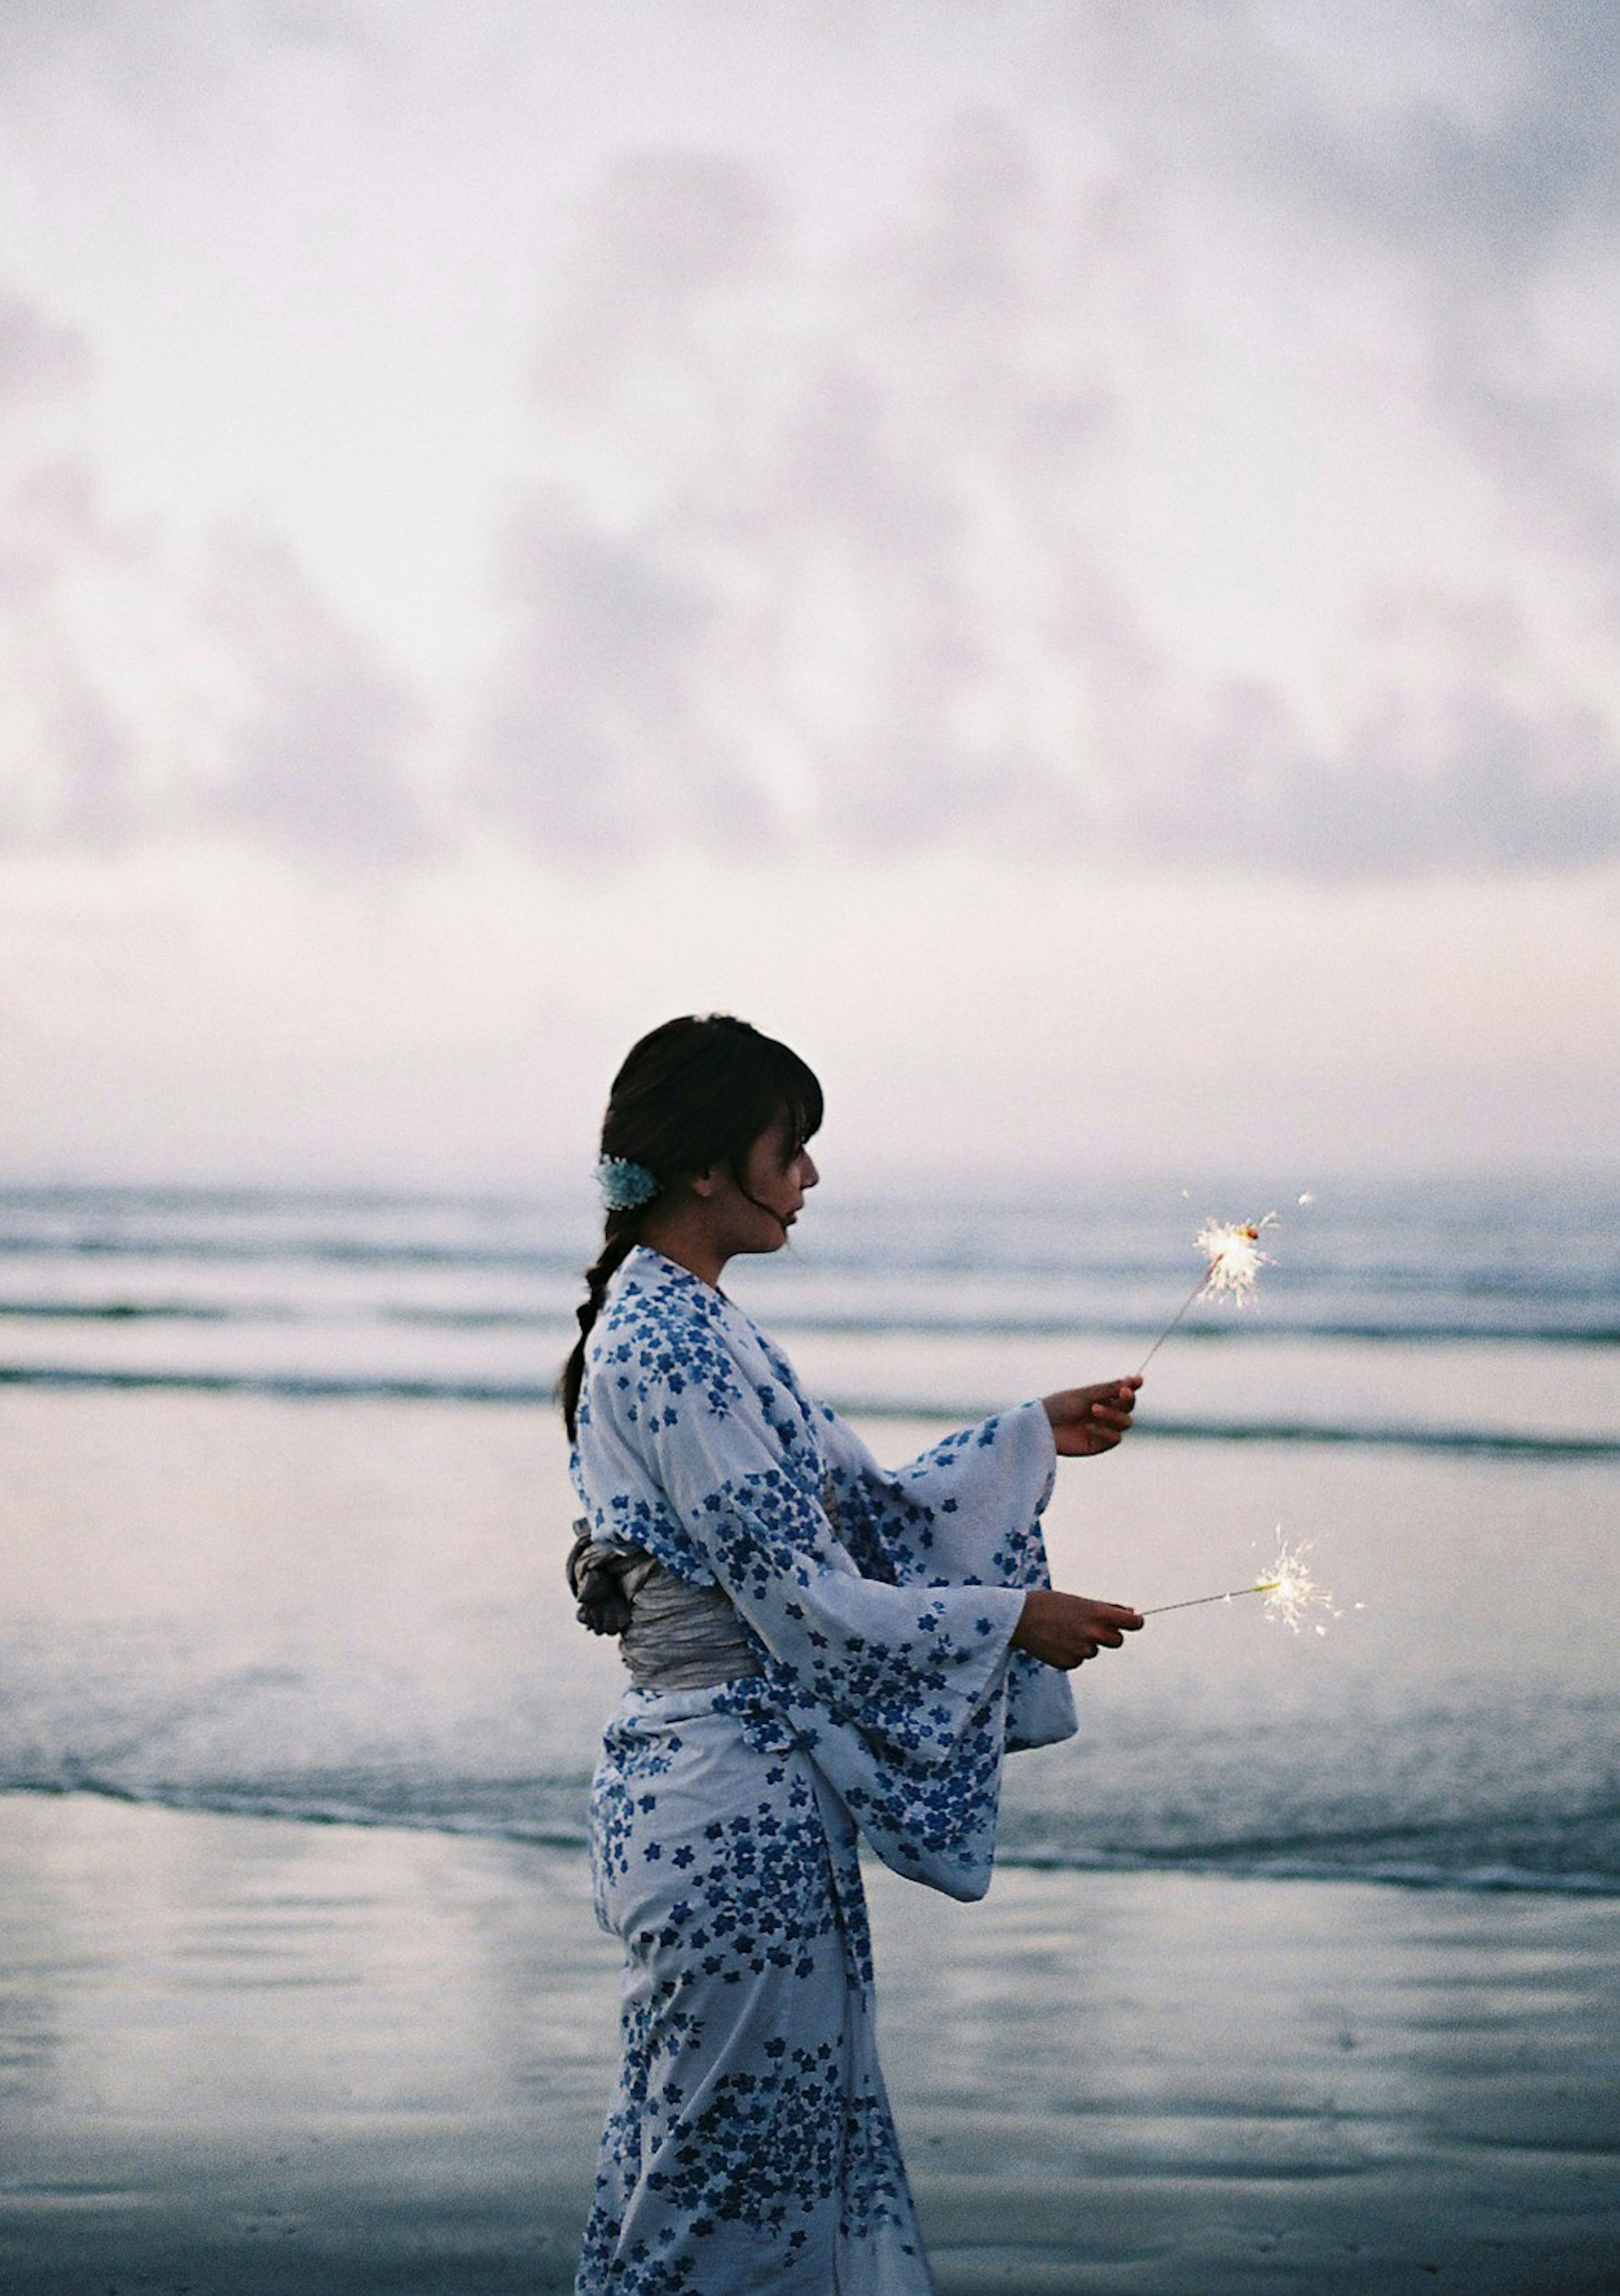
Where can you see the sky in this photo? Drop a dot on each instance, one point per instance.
(1061, 557)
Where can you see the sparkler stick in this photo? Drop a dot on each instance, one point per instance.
(1197, 1601)
(1290, 1591)
(1233, 1260)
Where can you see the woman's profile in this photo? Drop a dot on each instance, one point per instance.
(819, 1651)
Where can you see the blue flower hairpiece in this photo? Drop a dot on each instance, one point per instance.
(625, 1184)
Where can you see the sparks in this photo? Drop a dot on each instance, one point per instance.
(1232, 1261)
(1290, 1592)
(1233, 1258)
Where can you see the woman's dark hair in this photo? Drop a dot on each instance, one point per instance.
(692, 1094)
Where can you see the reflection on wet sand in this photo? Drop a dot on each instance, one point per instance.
(262, 2056)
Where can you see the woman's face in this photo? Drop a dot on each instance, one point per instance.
(778, 1173)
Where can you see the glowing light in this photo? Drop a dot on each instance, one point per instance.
(1233, 1258)
(1291, 1593)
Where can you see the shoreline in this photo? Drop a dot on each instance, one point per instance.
(1482, 1881)
(245, 2053)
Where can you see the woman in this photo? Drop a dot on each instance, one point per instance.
(817, 1648)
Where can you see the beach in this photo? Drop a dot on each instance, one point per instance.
(243, 2055)
(1298, 1973)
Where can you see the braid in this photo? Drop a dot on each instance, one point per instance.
(617, 1240)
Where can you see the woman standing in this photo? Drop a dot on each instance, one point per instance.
(817, 1648)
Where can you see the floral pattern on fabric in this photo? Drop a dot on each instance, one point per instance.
(749, 2146)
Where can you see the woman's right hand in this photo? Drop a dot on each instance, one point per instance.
(1064, 1630)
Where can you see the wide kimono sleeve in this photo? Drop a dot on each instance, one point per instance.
(964, 1513)
(896, 1690)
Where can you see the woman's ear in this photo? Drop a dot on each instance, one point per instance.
(703, 1183)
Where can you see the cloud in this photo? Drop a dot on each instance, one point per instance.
(138, 709)
(312, 750)
(1488, 786)
(96, 807)
(927, 501)
(144, 695)
(851, 579)
(667, 239)
(598, 737)
(1463, 152)
(1516, 218)
(39, 359)
(1501, 162)
(783, 637)
(69, 756)
(128, 51)
(1473, 136)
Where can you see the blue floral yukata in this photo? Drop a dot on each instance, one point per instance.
(749, 2146)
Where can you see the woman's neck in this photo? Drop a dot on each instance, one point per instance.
(688, 1245)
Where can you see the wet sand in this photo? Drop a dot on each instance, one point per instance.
(240, 2056)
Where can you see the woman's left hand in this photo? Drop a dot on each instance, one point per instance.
(1086, 1419)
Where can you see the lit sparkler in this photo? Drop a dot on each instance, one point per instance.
(1233, 1254)
(1232, 1261)
(1290, 1591)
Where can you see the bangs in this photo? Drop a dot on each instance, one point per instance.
(801, 1099)
(769, 1085)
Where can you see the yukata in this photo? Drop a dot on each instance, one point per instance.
(749, 2146)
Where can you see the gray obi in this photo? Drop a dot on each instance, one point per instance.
(672, 1634)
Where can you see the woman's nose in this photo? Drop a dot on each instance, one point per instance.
(808, 1175)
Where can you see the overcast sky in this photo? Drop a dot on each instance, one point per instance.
(1063, 557)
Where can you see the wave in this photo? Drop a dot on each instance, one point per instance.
(1275, 1326)
(1407, 1873)
(1484, 1258)
(368, 1387)
(1414, 1280)
(557, 1832)
(341, 1252)
(874, 1324)
(131, 1311)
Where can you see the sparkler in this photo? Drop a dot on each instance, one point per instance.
(1288, 1588)
(1232, 1262)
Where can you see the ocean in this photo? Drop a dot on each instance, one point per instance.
(284, 1508)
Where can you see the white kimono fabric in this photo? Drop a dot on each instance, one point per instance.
(749, 2146)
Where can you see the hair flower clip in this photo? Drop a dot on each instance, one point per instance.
(624, 1184)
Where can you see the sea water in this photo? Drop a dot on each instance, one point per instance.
(284, 1507)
